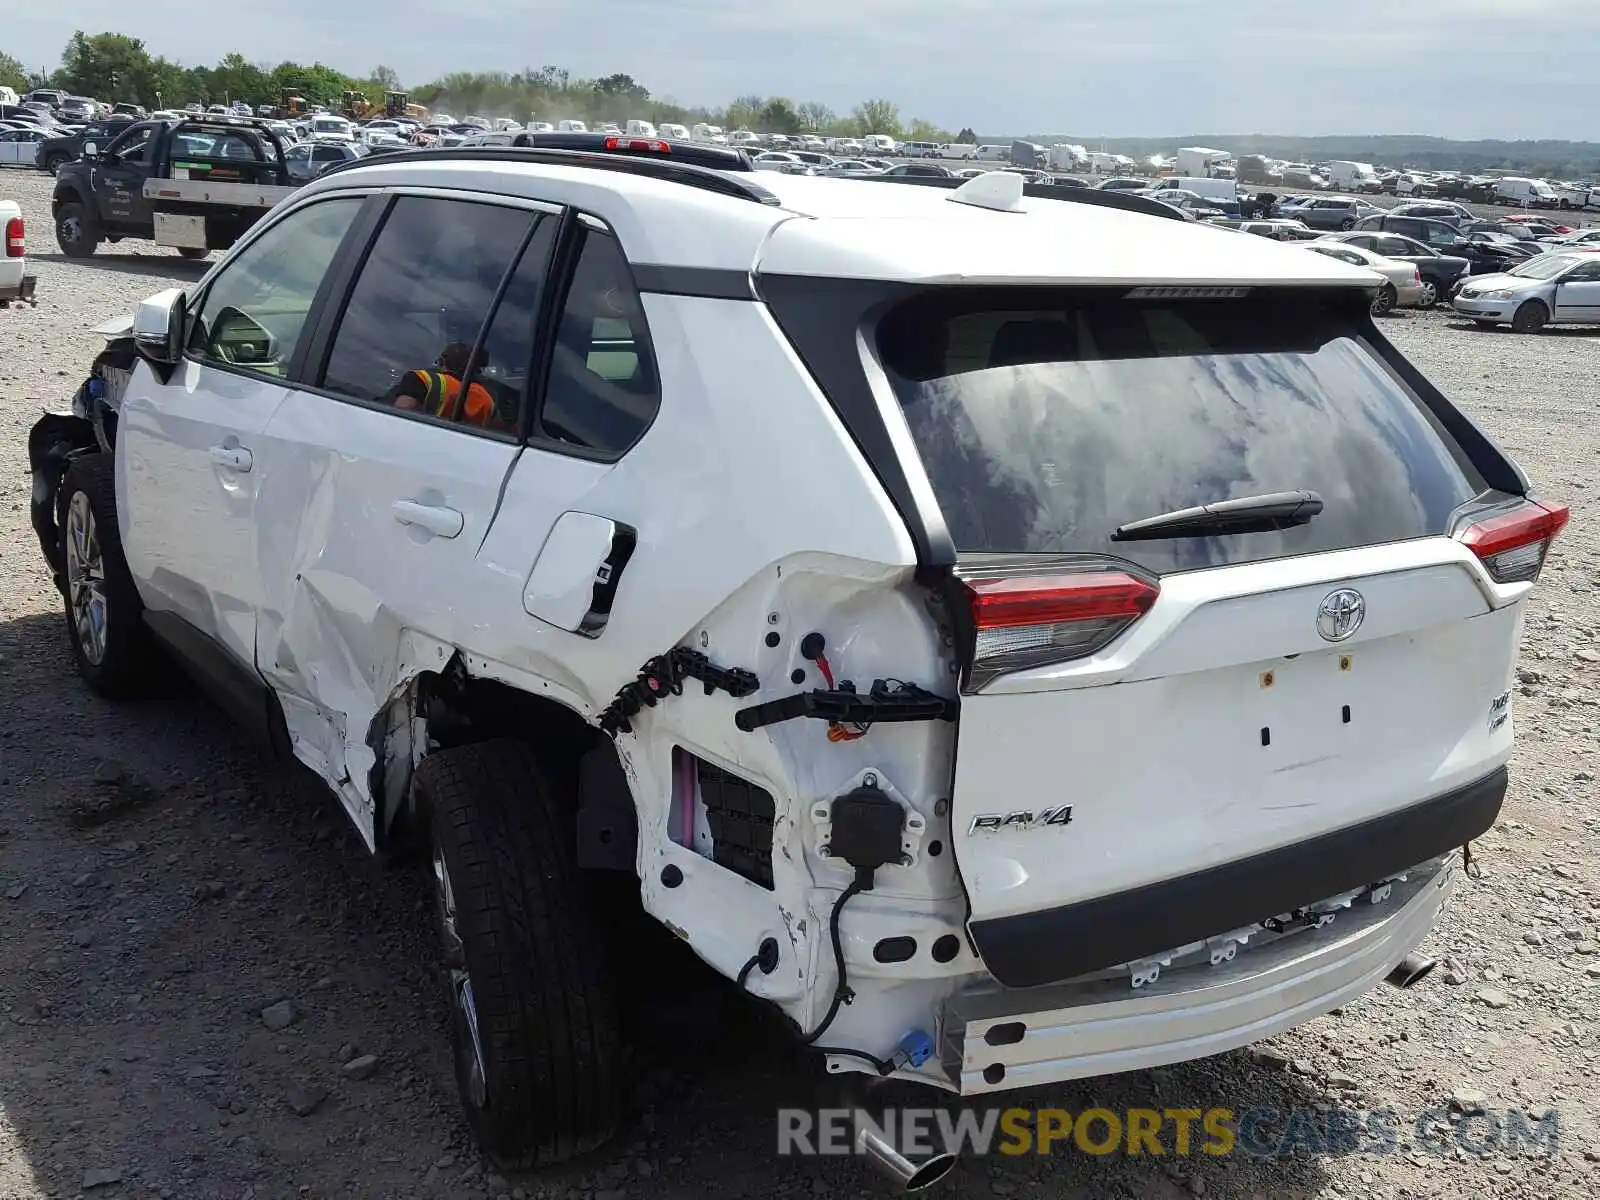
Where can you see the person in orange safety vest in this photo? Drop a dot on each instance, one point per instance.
(439, 392)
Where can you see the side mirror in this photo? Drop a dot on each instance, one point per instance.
(159, 325)
(90, 150)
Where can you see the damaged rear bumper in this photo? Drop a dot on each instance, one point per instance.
(998, 1039)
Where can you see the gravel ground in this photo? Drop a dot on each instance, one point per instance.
(160, 886)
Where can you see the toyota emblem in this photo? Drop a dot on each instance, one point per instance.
(1340, 614)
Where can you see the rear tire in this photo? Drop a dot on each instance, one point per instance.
(105, 616)
(1430, 293)
(1383, 303)
(1530, 317)
(77, 231)
(535, 1030)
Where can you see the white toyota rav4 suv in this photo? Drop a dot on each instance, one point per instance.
(1019, 637)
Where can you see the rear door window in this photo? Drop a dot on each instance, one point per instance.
(1047, 419)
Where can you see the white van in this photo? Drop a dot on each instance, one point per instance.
(9, 96)
(1354, 177)
(961, 150)
(879, 143)
(571, 127)
(673, 133)
(708, 133)
(994, 153)
(919, 150)
(743, 139)
(642, 129)
(1524, 193)
(1224, 191)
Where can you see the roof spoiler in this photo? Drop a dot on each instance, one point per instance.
(1047, 191)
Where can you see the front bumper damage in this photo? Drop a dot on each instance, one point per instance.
(998, 1039)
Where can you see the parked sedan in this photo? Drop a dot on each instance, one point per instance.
(20, 147)
(1193, 203)
(1402, 286)
(1552, 289)
(924, 169)
(850, 166)
(781, 161)
(1440, 272)
(1579, 237)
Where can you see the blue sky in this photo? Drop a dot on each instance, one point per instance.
(1455, 68)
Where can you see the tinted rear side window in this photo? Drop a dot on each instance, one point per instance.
(1046, 420)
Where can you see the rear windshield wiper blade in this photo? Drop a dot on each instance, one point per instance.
(1248, 514)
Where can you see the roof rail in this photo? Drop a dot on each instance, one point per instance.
(648, 165)
(1048, 191)
(719, 158)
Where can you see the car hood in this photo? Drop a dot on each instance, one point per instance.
(1502, 281)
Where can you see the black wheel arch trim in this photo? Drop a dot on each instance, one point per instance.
(1032, 949)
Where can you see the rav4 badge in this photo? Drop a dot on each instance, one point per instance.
(1021, 821)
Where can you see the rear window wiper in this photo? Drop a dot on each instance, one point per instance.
(1248, 514)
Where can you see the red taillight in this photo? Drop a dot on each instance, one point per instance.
(1513, 546)
(1030, 621)
(641, 145)
(14, 238)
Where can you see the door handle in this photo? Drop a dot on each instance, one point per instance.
(235, 458)
(444, 522)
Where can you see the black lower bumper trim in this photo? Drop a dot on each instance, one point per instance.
(1036, 948)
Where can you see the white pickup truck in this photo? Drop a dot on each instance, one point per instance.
(15, 282)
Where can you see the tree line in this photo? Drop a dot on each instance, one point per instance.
(115, 67)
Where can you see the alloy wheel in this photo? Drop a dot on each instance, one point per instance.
(86, 577)
(455, 959)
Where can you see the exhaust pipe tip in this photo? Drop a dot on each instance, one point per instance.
(906, 1175)
(1410, 971)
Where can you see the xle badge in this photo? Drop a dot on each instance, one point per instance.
(1021, 822)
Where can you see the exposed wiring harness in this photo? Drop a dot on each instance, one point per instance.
(811, 647)
(842, 994)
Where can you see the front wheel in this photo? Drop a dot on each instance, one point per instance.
(1530, 317)
(77, 232)
(105, 616)
(534, 1015)
(1383, 303)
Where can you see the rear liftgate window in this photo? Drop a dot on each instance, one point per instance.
(1046, 419)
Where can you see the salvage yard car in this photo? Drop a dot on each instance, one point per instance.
(1550, 289)
(910, 698)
